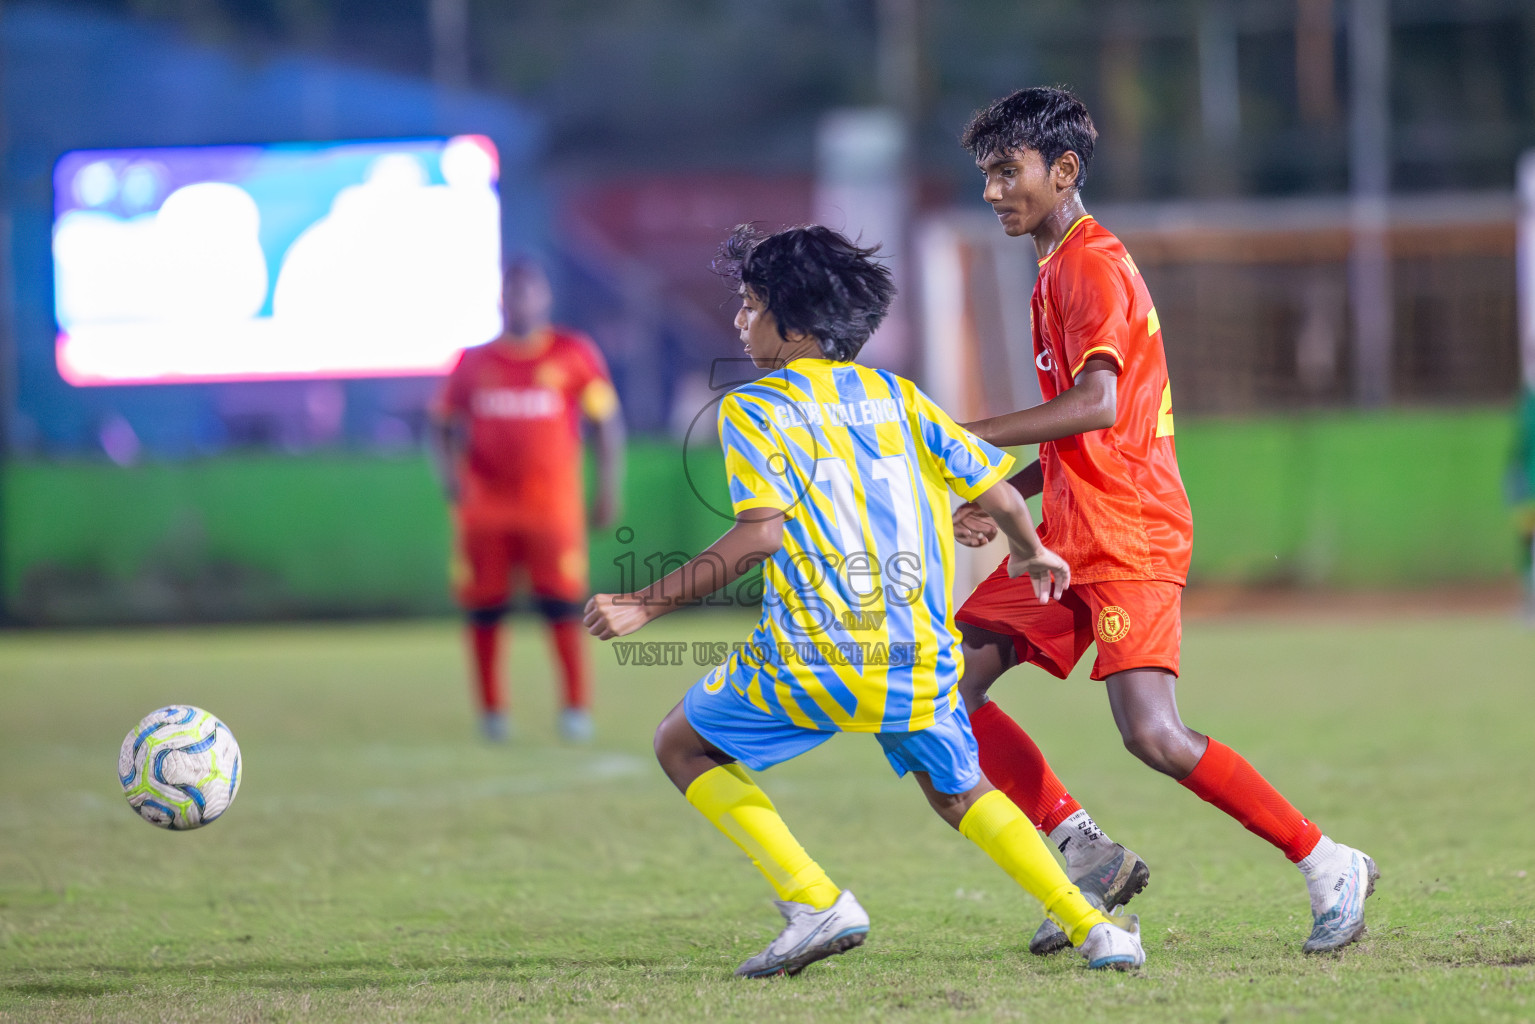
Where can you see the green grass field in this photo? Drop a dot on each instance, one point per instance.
(380, 864)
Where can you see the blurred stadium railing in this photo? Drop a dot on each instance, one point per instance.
(1253, 298)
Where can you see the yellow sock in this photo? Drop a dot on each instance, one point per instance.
(996, 825)
(729, 798)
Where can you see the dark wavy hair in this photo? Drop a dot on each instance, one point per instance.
(813, 280)
(1048, 120)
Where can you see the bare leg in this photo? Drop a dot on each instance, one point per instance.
(951, 807)
(987, 656)
(1146, 711)
(1009, 756)
(998, 827)
(685, 755)
(1145, 706)
(736, 806)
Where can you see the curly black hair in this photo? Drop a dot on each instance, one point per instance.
(812, 280)
(1048, 120)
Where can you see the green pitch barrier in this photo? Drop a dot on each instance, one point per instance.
(1391, 499)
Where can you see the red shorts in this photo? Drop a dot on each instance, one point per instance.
(1136, 623)
(485, 558)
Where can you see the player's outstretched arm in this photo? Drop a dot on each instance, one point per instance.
(974, 528)
(445, 442)
(1089, 404)
(755, 537)
(1046, 570)
(607, 504)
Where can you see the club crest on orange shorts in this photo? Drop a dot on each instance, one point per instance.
(1113, 624)
(1134, 623)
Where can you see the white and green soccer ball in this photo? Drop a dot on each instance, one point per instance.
(180, 767)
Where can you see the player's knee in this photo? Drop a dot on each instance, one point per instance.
(670, 742)
(1167, 749)
(558, 609)
(987, 656)
(660, 743)
(973, 692)
(1150, 743)
(951, 807)
(488, 615)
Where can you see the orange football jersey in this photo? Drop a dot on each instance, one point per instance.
(1114, 504)
(523, 412)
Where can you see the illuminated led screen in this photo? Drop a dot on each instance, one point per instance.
(300, 260)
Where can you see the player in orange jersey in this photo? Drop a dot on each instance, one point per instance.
(507, 444)
(1115, 509)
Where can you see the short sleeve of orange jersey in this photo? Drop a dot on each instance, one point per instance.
(593, 387)
(1093, 299)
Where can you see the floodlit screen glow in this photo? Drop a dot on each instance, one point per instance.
(283, 261)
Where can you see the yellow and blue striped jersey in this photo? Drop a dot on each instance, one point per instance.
(857, 629)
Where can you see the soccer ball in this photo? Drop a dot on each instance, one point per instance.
(180, 767)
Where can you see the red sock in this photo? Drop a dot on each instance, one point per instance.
(1224, 778)
(485, 645)
(570, 645)
(1014, 764)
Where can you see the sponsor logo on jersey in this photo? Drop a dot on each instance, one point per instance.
(518, 403)
(1113, 624)
(1044, 362)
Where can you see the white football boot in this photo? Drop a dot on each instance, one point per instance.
(1337, 902)
(1116, 945)
(1108, 881)
(496, 726)
(576, 726)
(809, 935)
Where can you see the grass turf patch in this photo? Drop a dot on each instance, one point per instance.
(382, 864)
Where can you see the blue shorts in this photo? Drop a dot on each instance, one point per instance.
(735, 725)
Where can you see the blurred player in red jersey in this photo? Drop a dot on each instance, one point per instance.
(507, 444)
(1116, 511)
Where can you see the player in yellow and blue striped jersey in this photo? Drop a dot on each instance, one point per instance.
(839, 479)
(855, 634)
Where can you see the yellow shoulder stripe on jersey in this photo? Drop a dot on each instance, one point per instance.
(1165, 412)
(1098, 350)
(1153, 322)
(1069, 232)
(599, 401)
